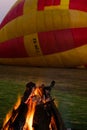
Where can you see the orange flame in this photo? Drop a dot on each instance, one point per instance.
(29, 117)
(6, 119)
(17, 103)
(34, 99)
(9, 114)
(52, 124)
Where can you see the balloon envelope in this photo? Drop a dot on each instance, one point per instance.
(45, 33)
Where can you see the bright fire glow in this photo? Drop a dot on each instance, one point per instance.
(6, 120)
(9, 114)
(35, 98)
(29, 117)
(17, 103)
(32, 101)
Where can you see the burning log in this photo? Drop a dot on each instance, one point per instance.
(36, 111)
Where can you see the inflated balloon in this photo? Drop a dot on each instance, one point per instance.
(45, 33)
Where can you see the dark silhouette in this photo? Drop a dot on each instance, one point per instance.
(29, 88)
(47, 89)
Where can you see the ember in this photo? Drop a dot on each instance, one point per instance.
(35, 111)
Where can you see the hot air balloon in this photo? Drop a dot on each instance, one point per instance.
(46, 33)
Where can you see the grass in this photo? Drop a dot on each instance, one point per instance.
(8, 96)
(73, 109)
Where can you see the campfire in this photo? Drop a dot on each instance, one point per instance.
(36, 110)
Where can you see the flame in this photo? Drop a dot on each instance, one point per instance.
(52, 124)
(17, 103)
(6, 119)
(9, 114)
(29, 117)
(35, 98)
(32, 101)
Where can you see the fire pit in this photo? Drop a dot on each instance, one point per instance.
(36, 110)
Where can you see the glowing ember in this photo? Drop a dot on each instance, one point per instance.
(35, 111)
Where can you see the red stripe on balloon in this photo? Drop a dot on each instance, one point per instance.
(49, 2)
(62, 40)
(78, 5)
(13, 49)
(47, 42)
(55, 41)
(13, 13)
(57, 2)
(52, 2)
(43, 3)
(80, 36)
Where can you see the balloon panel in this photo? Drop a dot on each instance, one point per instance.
(45, 33)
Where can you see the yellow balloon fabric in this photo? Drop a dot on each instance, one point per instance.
(45, 33)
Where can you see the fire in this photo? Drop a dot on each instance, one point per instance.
(29, 117)
(34, 99)
(9, 114)
(17, 103)
(52, 124)
(31, 112)
(6, 120)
